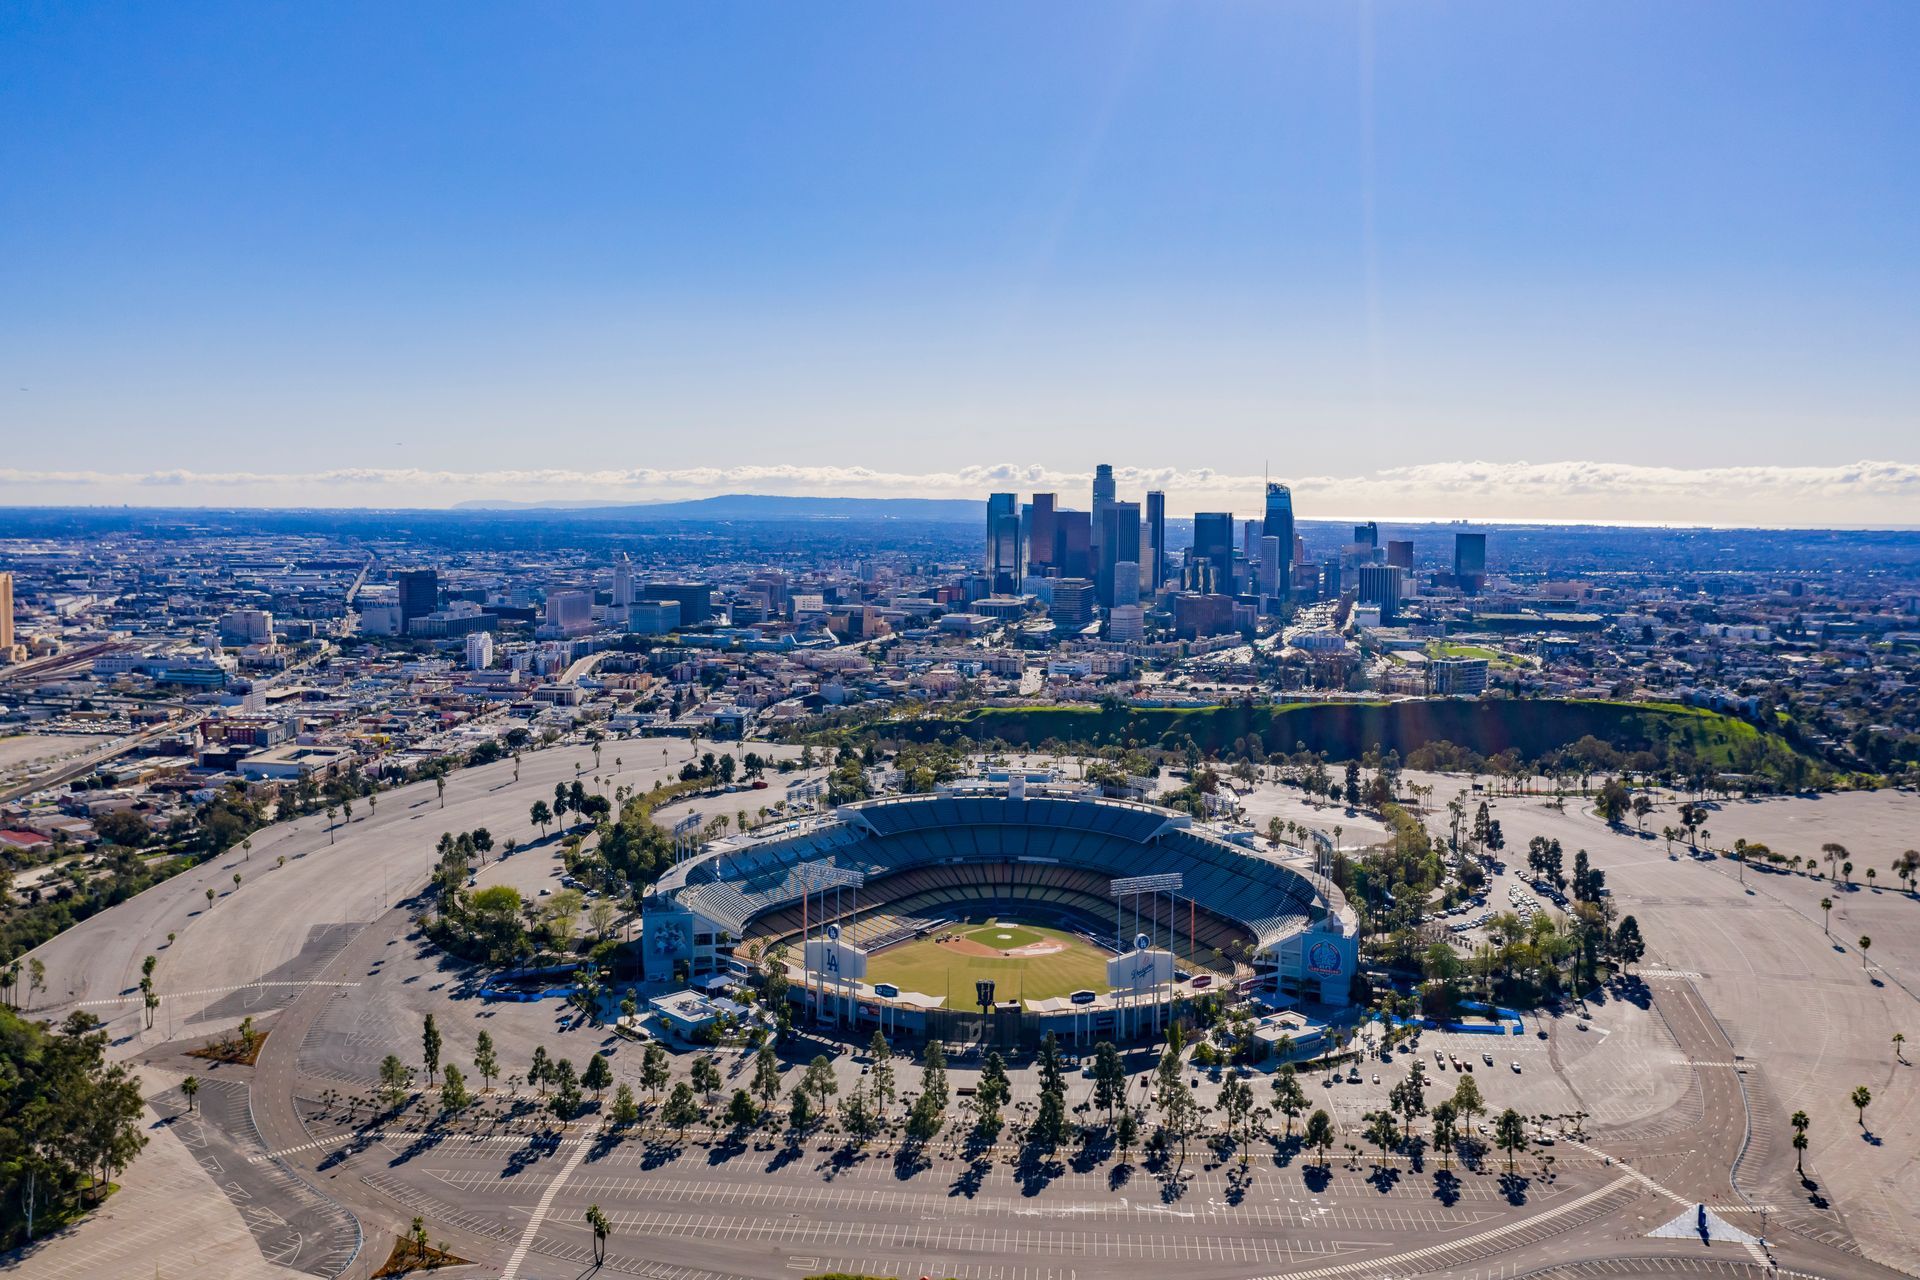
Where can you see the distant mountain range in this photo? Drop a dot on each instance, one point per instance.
(757, 506)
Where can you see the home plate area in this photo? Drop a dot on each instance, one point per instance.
(1011, 941)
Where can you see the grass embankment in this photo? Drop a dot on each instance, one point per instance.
(1534, 728)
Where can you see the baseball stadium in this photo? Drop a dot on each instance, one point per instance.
(896, 912)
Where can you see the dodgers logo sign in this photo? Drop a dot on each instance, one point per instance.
(1324, 958)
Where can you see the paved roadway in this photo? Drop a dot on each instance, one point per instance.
(1795, 1006)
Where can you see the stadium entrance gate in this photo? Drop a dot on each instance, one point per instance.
(1005, 1027)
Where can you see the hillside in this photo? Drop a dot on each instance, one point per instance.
(1534, 728)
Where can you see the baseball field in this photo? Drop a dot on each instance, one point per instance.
(1026, 962)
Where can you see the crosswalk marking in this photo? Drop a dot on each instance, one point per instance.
(1374, 1266)
(539, 1214)
(203, 991)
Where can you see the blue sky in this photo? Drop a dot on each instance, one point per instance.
(419, 253)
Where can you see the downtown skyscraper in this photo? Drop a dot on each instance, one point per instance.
(1279, 524)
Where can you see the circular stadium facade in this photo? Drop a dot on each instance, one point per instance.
(1033, 904)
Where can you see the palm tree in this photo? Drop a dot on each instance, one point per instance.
(1832, 853)
(1826, 909)
(1866, 940)
(1860, 1098)
(601, 1227)
(1899, 1047)
(1800, 1122)
(191, 1088)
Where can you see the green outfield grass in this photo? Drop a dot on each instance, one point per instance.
(924, 966)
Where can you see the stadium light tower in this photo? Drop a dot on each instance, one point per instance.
(1132, 889)
(823, 878)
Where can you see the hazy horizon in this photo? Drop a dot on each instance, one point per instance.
(586, 507)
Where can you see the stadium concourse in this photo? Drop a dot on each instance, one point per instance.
(887, 873)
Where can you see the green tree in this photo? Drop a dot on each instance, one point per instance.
(1109, 1079)
(1382, 1132)
(1126, 1132)
(485, 1061)
(653, 1070)
(681, 1110)
(1446, 1131)
(819, 1081)
(930, 1108)
(1510, 1134)
(1467, 1101)
(565, 1102)
(989, 1096)
(395, 1077)
(597, 1076)
(1289, 1099)
(766, 1075)
(430, 1046)
(1236, 1104)
(741, 1113)
(540, 1070)
(706, 1075)
(625, 1109)
(881, 1054)
(857, 1112)
(1628, 946)
(454, 1095)
(1319, 1133)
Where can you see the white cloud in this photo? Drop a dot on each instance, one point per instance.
(1859, 493)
